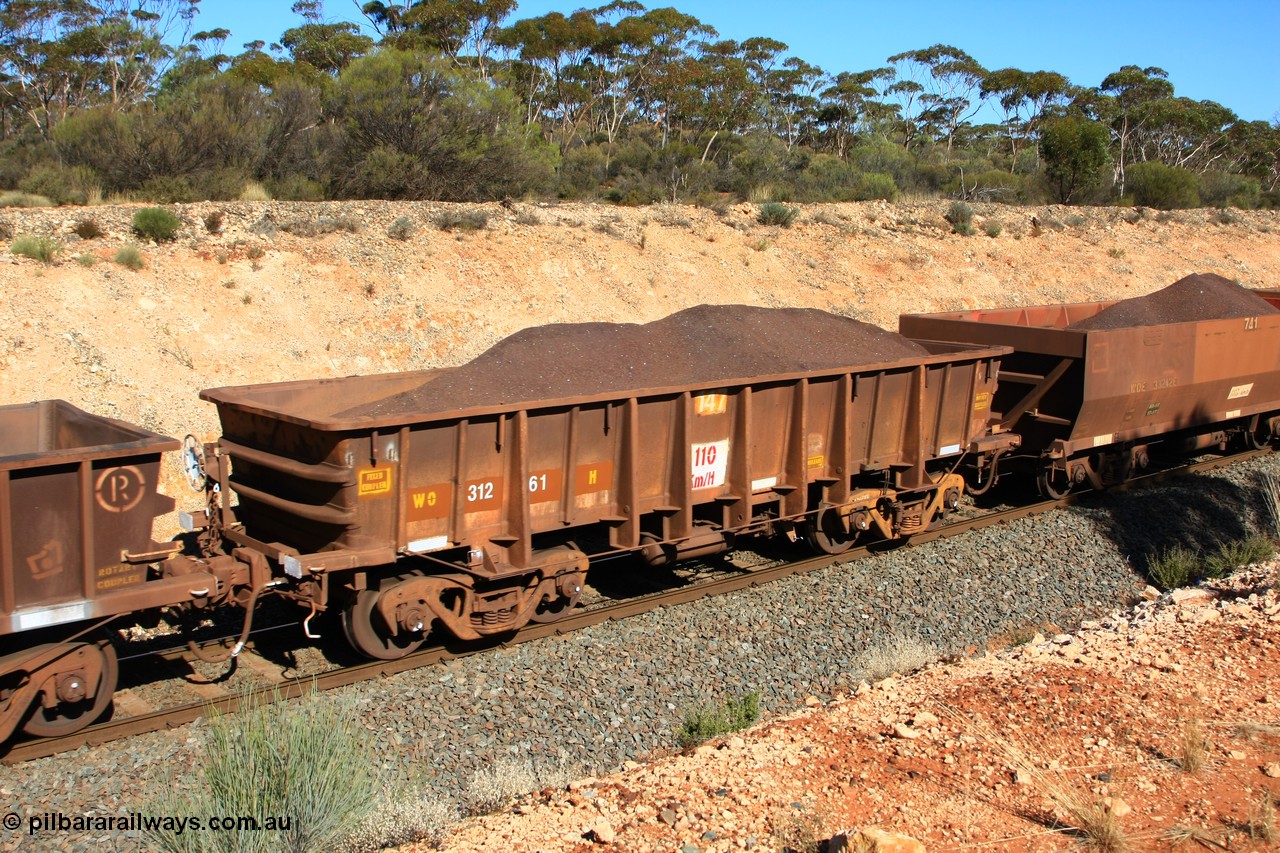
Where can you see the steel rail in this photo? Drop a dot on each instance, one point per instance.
(179, 715)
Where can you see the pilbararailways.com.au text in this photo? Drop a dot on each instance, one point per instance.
(138, 822)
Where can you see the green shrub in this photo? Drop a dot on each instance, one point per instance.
(156, 224)
(17, 199)
(88, 229)
(1234, 555)
(960, 216)
(86, 260)
(707, 721)
(62, 184)
(776, 213)
(1269, 485)
(166, 189)
(1223, 189)
(296, 188)
(402, 229)
(1174, 567)
(306, 761)
(461, 220)
(43, 249)
(130, 256)
(1165, 187)
(993, 228)
(875, 185)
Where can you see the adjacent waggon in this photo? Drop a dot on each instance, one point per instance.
(471, 500)
(1096, 389)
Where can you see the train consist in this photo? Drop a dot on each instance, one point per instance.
(471, 500)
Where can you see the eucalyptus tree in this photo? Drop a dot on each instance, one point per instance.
(1024, 96)
(850, 105)
(936, 88)
(1126, 94)
(792, 100)
(1183, 133)
(551, 72)
(59, 56)
(326, 47)
(1255, 151)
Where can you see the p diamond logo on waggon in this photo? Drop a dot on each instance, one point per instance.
(120, 489)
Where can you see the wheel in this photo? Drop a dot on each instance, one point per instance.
(1258, 435)
(71, 716)
(826, 534)
(369, 634)
(570, 590)
(1054, 483)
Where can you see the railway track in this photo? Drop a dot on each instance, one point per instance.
(280, 688)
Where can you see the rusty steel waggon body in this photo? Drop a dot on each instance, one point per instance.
(77, 502)
(477, 519)
(1092, 405)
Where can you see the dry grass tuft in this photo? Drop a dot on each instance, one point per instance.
(1194, 748)
(1262, 823)
(898, 654)
(1182, 834)
(1086, 813)
(255, 191)
(403, 818)
(494, 787)
(1251, 730)
(1271, 501)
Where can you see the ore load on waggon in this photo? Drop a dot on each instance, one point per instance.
(1096, 389)
(481, 483)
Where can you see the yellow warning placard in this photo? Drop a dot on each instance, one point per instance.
(373, 481)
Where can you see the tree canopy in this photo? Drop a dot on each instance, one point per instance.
(463, 99)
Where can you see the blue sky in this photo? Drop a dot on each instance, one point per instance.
(1223, 51)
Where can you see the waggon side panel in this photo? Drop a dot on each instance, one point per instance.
(674, 458)
(77, 499)
(1151, 380)
(1119, 384)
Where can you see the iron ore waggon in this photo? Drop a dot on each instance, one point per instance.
(1095, 389)
(77, 503)
(467, 497)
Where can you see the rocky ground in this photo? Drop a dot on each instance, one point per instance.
(284, 291)
(1152, 728)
